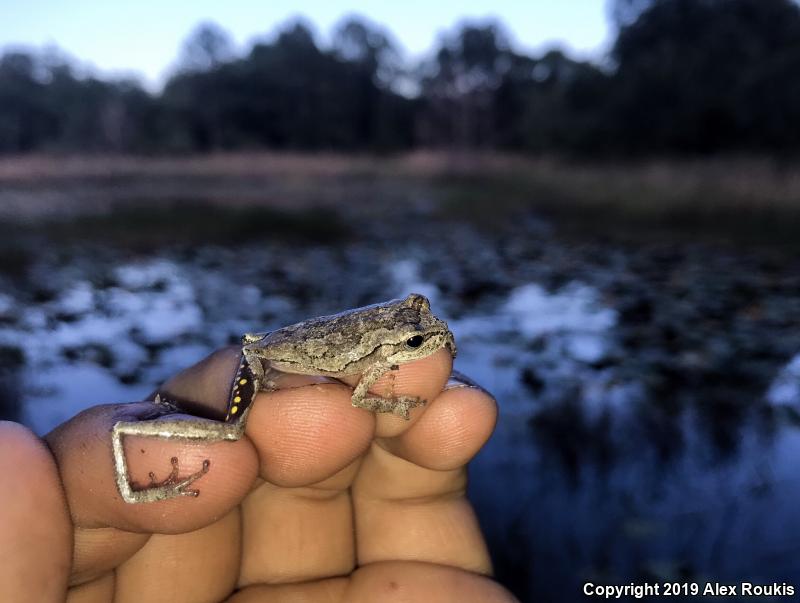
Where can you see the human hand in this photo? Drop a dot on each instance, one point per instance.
(319, 502)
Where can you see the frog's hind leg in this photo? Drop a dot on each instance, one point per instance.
(180, 429)
(243, 391)
(247, 381)
(398, 405)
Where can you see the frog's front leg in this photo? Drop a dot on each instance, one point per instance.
(399, 405)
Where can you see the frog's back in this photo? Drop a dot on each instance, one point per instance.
(326, 340)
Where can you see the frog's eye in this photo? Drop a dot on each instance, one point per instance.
(415, 341)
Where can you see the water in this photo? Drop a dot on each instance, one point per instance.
(623, 451)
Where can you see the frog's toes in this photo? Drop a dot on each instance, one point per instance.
(175, 486)
(397, 405)
(403, 404)
(181, 486)
(171, 478)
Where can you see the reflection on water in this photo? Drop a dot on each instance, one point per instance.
(635, 442)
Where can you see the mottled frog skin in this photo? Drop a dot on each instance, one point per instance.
(366, 341)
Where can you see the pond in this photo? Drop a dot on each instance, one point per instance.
(649, 393)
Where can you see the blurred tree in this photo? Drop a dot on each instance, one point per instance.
(479, 92)
(370, 47)
(299, 92)
(686, 72)
(552, 103)
(374, 65)
(207, 47)
(626, 12)
(26, 119)
(458, 86)
(768, 106)
(289, 93)
(45, 106)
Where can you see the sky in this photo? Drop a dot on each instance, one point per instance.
(144, 38)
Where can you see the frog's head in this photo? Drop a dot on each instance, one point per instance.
(421, 333)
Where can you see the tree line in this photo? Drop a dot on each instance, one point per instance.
(681, 76)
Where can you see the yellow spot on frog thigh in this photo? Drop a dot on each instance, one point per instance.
(234, 410)
(237, 399)
(242, 381)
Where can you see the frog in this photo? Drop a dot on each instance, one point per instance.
(368, 341)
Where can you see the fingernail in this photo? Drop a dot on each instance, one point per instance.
(458, 379)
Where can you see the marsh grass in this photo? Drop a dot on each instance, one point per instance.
(736, 200)
(231, 197)
(599, 209)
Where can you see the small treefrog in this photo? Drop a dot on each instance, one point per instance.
(368, 341)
